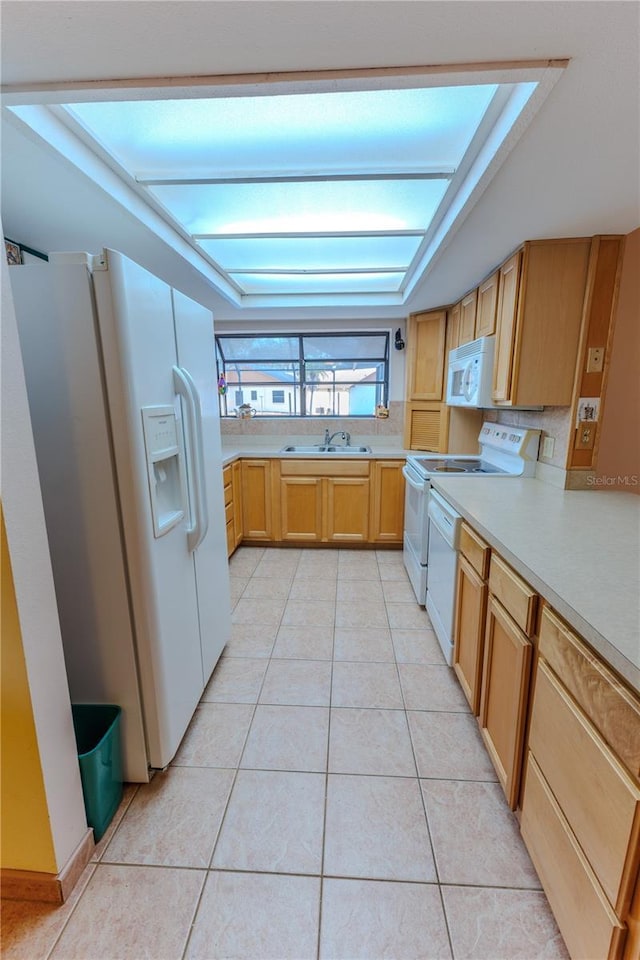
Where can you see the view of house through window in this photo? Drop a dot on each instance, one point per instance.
(303, 375)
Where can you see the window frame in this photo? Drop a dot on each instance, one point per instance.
(299, 383)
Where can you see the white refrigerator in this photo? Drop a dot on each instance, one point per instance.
(120, 372)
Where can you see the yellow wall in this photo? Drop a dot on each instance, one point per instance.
(27, 842)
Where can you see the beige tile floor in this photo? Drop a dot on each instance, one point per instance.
(331, 799)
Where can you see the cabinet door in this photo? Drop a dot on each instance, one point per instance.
(508, 288)
(237, 502)
(425, 355)
(387, 501)
(256, 500)
(468, 306)
(426, 426)
(487, 306)
(505, 685)
(453, 328)
(301, 508)
(347, 515)
(471, 609)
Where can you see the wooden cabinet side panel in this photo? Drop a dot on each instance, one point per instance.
(586, 920)
(508, 287)
(387, 501)
(503, 703)
(237, 502)
(469, 626)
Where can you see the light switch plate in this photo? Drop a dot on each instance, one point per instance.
(595, 359)
(548, 446)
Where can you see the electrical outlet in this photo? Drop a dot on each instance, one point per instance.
(548, 446)
(595, 359)
(585, 436)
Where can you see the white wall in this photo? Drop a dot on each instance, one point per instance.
(37, 609)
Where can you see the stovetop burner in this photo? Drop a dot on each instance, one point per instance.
(451, 465)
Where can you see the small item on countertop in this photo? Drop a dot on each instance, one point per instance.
(382, 412)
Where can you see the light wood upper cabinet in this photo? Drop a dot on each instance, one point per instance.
(453, 329)
(509, 279)
(468, 307)
(387, 501)
(425, 355)
(487, 306)
(541, 295)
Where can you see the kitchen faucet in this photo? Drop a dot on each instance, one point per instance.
(343, 433)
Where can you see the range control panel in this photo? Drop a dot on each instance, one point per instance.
(517, 441)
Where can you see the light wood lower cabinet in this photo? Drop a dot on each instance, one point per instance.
(387, 501)
(581, 796)
(323, 501)
(301, 509)
(588, 924)
(503, 702)
(471, 608)
(347, 510)
(257, 513)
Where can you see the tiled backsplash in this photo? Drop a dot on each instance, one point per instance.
(392, 426)
(552, 421)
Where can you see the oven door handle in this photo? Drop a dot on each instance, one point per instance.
(410, 478)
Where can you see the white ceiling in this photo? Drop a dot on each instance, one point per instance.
(575, 171)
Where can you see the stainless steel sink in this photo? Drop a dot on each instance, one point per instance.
(321, 448)
(348, 449)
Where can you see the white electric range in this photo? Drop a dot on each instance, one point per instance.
(504, 452)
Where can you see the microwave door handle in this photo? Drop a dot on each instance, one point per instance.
(468, 386)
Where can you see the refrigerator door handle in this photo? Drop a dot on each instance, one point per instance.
(186, 388)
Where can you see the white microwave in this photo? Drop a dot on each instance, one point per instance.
(470, 374)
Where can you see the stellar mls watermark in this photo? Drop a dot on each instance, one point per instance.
(617, 480)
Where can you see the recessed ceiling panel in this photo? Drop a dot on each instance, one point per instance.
(305, 283)
(323, 252)
(383, 129)
(333, 206)
(340, 192)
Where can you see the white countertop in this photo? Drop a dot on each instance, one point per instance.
(234, 447)
(579, 549)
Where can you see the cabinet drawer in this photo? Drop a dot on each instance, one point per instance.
(228, 512)
(477, 552)
(231, 537)
(594, 791)
(324, 468)
(612, 709)
(228, 493)
(585, 917)
(515, 595)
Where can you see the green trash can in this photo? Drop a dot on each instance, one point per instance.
(97, 729)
